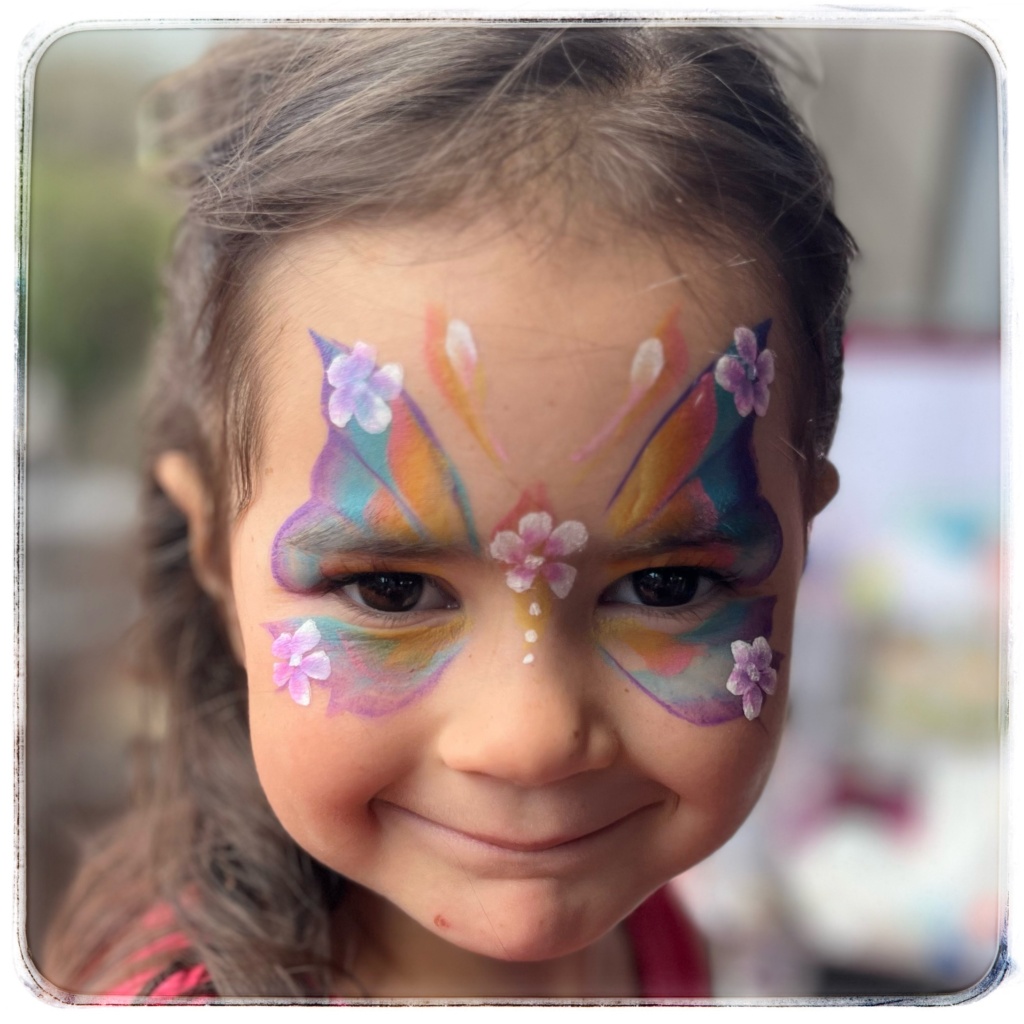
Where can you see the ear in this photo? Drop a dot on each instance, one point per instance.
(826, 486)
(181, 481)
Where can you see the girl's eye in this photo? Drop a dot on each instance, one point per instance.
(670, 587)
(395, 592)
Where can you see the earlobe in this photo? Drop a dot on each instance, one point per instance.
(826, 486)
(178, 476)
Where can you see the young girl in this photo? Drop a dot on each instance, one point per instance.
(489, 418)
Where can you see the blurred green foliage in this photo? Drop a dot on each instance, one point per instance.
(98, 234)
(99, 230)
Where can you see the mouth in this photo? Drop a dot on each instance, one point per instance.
(566, 842)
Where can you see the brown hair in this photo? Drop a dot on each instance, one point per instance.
(674, 131)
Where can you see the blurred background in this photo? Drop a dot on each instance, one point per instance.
(870, 865)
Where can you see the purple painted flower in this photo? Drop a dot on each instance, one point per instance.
(530, 551)
(747, 374)
(362, 390)
(752, 674)
(301, 663)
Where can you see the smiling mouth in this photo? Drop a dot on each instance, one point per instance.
(566, 842)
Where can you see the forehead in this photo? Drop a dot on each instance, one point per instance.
(556, 324)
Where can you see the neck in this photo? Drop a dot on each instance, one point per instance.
(382, 953)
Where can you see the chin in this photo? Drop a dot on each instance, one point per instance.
(523, 926)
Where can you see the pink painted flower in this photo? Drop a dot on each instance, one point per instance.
(531, 550)
(301, 663)
(747, 374)
(752, 674)
(362, 390)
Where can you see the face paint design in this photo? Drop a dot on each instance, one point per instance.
(753, 675)
(361, 389)
(368, 672)
(454, 365)
(696, 477)
(697, 469)
(527, 540)
(687, 672)
(747, 374)
(658, 365)
(302, 661)
(531, 552)
(381, 478)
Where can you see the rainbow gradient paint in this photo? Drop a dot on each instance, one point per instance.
(657, 367)
(687, 672)
(396, 483)
(374, 672)
(696, 477)
(454, 365)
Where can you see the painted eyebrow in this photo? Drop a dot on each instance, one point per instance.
(328, 539)
(667, 543)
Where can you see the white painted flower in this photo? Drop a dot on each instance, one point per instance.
(301, 663)
(531, 550)
(752, 675)
(363, 390)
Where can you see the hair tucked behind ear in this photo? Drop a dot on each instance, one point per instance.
(679, 132)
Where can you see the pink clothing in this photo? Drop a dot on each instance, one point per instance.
(671, 961)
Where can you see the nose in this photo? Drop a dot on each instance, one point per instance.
(528, 724)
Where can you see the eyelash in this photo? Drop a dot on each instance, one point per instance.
(337, 585)
(721, 585)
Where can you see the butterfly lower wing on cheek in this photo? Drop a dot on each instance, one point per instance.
(381, 473)
(698, 467)
(366, 672)
(687, 673)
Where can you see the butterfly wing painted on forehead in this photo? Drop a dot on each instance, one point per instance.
(697, 467)
(695, 477)
(381, 473)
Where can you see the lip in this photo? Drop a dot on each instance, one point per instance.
(568, 842)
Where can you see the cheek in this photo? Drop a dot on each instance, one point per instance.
(707, 674)
(338, 667)
(319, 773)
(716, 774)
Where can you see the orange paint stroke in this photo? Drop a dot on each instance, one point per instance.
(666, 461)
(659, 364)
(660, 652)
(417, 467)
(453, 363)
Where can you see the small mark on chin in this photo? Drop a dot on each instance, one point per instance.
(528, 659)
(441, 921)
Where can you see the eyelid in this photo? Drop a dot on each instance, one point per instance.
(362, 614)
(714, 559)
(722, 585)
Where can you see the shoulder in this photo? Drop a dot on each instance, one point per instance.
(670, 954)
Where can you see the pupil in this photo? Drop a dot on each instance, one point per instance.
(391, 592)
(664, 588)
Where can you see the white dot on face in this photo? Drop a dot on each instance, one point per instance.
(528, 660)
(531, 636)
(535, 608)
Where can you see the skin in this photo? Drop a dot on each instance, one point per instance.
(492, 825)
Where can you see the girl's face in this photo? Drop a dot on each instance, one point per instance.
(515, 594)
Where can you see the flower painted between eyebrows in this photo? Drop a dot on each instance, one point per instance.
(520, 550)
